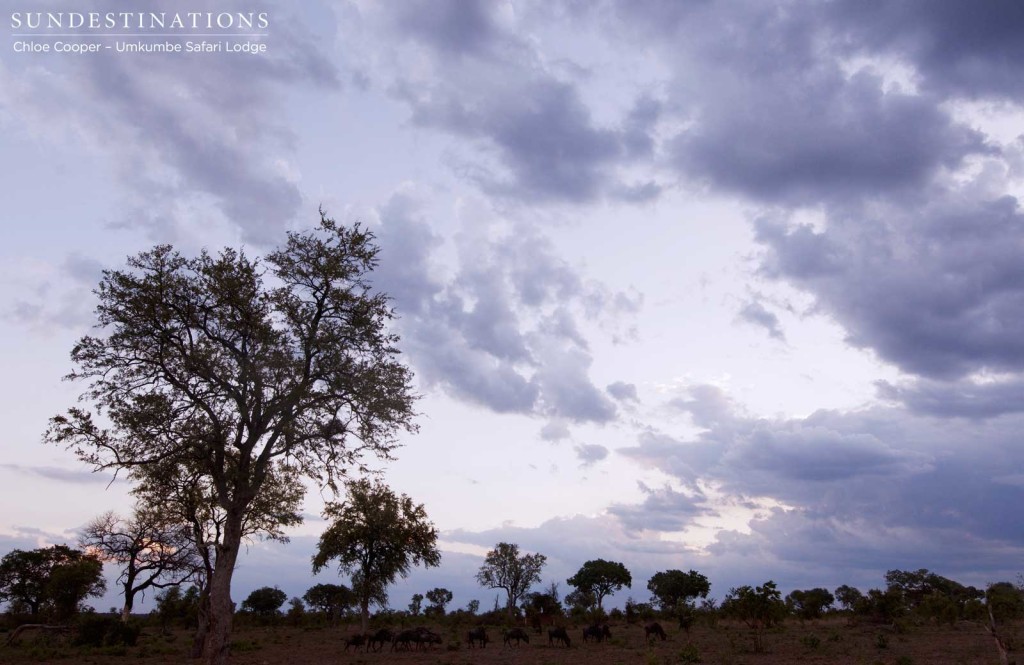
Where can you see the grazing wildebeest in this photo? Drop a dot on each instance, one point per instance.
(357, 640)
(654, 628)
(517, 634)
(382, 637)
(477, 635)
(597, 632)
(559, 634)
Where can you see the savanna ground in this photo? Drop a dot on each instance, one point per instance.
(825, 641)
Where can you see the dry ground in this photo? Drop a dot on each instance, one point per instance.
(826, 641)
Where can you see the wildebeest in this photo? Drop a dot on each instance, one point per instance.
(559, 634)
(357, 640)
(421, 637)
(517, 634)
(477, 635)
(654, 628)
(381, 637)
(597, 632)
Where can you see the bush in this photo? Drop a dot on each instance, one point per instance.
(97, 630)
(811, 641)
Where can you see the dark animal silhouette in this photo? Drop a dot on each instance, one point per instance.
(517, 634)
(477, 635)
(357, 640)
(654, 629)
(420, 637)
(381, 637)
(559, 635)
(598, 633)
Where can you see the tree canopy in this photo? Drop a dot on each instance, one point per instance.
(674, 589)
(264, 602)
(376, 536)
(504, 568)
(50, 582)
(229, 367)
(601, 578)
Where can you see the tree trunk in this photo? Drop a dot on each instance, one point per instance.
(203, 619)
(364, 613)
(218, 638)
(129, 603)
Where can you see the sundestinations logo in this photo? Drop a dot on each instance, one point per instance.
(188, 32)
(139, 21)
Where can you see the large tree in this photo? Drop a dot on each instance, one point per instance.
(50, 582)
(601, 578)
(151, 548)
(375, 536)
(228, 366)
(504, 568)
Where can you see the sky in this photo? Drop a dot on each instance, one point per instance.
(728, 286)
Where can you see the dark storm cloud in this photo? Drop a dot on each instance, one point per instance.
(538, 139)
(958, 47)
(663, 509)
(853, 480)
(958, 399)
(501, 331)
(184, 129)
(456, 27)
(935, 288)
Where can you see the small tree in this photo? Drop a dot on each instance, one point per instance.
(50, 582)
(376, 536)
(601, 578)
(152, 550)
(675, 591)
(809, 604)
(473, 606)
(504, 568)
(330, 599)
(439, 597)
(761, 607)
(416, 604)
(264, 602)
(848, 597)
(174, 606)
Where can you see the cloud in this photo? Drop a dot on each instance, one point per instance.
(953, 48)
(958, 399)
(934, 286)
(663, 510)
(590, 453)
(757, 314)
(59, 474)
(501, 327)
(622, 391)
(524, 130)
(876, 486)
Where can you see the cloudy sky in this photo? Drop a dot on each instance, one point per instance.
(733, 286)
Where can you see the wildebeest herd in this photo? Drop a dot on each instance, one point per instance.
(423, 638)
